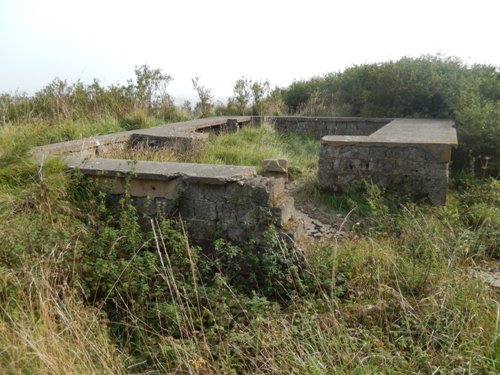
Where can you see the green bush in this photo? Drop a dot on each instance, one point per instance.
(61, 101)
(425, 87)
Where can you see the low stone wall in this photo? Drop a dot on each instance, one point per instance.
(233, 202)
(410, 156)
(417, 170)
(180, 136)
(215, 201)
(321, 126)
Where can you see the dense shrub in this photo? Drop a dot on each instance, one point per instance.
(59, 100)
(86, 289)
(429, 86)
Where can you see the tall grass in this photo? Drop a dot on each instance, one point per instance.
(250, 146)
(46, 329)
(84, 289)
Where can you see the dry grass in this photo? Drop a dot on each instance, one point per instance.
(46, 329)
(250, 146)
(396, 296)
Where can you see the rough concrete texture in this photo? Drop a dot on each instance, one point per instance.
(151, 170)
(215, 201)
(405, 132)
(321, 126)
(409, 155)
(181, 136)
(87, 147)
(275, 165)
(277, 168)
(233, 202)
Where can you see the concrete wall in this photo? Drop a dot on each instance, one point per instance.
(417, 169)
(406, 155)
(321, 126)
(214, 201)
(233, 202)
(179, 136)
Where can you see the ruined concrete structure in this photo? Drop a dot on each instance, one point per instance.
(214, 201)
(233, 201)
(407, 155)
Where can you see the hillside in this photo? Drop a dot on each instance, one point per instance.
(405, 287)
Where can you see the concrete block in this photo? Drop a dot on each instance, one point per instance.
(276, 165)
(277, 168)
(284, 210)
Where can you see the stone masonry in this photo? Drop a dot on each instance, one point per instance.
(407, 155)
(233, 202)
(214, 201)
(321, 126)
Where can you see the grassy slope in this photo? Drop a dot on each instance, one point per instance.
(397, 296)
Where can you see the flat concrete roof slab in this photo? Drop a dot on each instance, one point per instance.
(189, 126)
(206, 173)
(83, 144)
(431, 131)
(405, 132)
(181, 129)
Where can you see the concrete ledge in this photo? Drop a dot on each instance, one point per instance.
(85, 147)
(322, 126)
(232, 201)
(407, 155)
(150, 170)
(383, 120)
(215, 201)
(405, 132)
(188, 131)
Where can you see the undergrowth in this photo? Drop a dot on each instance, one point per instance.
(86, 290)
(250, 146)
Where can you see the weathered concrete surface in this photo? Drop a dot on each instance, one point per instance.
(321, 126)
(215, 201)
(276, 168)
(276, 165)
(233, 202)
(187, 135)
(87, 147)
(408, 155)
(405, 132)
(151, 170)
(421, 131)
(180, 136)
(212, 124)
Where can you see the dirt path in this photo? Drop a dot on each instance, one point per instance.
(489, 272)
(318, 223)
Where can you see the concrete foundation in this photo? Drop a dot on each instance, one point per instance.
(232, 202)
(407, 155)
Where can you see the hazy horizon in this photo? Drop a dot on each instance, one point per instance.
(221, 41)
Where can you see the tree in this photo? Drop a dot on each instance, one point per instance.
(150, 89)
(204, 107)
(259, 91)
(242, 94)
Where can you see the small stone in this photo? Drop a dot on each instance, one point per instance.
(276, 165)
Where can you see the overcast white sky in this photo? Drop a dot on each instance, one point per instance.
(222, 40)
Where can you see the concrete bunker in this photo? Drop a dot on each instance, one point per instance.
(234, 202)
(231, 202)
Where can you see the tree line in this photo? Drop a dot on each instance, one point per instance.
(423, 87)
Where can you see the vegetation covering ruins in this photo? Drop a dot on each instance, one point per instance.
(404, 287)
